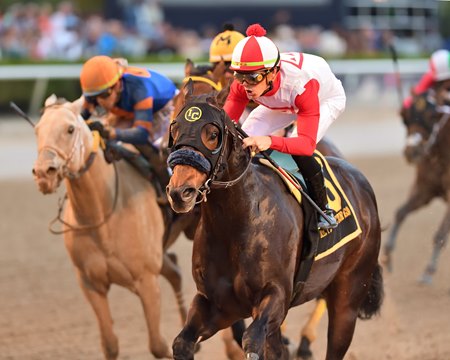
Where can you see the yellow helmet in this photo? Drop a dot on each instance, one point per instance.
(223, 44)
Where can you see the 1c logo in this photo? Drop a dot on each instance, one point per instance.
(193, 114)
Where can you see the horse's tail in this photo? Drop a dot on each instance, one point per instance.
(372, 303)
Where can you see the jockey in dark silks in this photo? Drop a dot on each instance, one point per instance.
(139, 105)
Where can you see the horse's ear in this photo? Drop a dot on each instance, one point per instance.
(188, 90)
(223, 94)
(76, 105)
(51, 100)
(188, 67)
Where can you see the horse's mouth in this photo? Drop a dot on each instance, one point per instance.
(413, 154)
(47, 182)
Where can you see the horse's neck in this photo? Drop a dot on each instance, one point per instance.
(92, 194)
(235, 202)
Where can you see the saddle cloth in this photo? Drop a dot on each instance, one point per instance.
(324, 242)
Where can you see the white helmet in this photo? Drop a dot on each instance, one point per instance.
(440, 64)
(255, 52)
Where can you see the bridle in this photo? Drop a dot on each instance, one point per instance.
(78, 145)
(437, 127)
(212, 182)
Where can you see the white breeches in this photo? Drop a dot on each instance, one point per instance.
(265, 121)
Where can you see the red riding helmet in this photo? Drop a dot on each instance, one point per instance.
(255, 52)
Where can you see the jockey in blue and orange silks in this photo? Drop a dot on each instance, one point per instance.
(138, 102)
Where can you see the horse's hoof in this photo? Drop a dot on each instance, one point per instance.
(252, 356)
(304, 350)
(426, 279)
(173, 257)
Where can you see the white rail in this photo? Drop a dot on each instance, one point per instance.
(43, 73)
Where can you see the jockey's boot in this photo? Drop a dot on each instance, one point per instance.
(159, 169)
(316, 186)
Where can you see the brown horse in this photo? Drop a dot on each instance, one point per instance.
(206, 80)
(247, 246)
(428, 135)
(113, 226)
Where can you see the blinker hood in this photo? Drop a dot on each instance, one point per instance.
(190, 122)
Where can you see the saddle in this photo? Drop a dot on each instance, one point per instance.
(317, 244)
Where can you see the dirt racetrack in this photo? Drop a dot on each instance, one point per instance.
(43, 314)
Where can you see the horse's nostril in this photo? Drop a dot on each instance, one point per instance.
(51, 170)
(188, 192)
(33, 171)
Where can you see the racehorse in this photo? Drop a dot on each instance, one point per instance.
(249, 239)
(428, 136)
(206, 80)
(113, 226)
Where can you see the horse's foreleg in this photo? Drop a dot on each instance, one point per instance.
(203, 321)
(268, 317)
(150, 295)
(416, 200)
(171, 271)
(309, 331)
(99, 303)
(440, 239)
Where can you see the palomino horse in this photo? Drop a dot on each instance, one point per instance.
(249, 239)
(428, 137)
(113, 226)
(205, 81)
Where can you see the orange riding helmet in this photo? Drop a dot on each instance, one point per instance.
(98, 74)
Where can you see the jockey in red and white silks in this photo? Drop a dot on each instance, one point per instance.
(305, 90)
(289, 87)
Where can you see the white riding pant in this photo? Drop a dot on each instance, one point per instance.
(265, 121)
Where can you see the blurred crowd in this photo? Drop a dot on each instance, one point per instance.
(40, 32)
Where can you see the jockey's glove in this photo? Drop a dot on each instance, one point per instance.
(104, 131)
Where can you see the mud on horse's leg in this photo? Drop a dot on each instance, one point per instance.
(196, 329)
(262, 339)
(440, 239)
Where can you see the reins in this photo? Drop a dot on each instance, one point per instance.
(97, 142)
(437, 127)
(71, 227)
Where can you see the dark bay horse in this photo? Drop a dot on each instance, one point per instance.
(208, 80)
(427, 147)
(249, 239)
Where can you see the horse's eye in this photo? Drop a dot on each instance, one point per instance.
(210, 136)
(71, 129)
